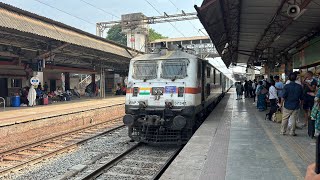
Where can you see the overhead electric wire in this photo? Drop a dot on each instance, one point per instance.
(64, 12)
(161, 14)
(99, 9)
(198, 30)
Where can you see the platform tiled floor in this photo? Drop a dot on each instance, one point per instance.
(258, 151)
(253, 147)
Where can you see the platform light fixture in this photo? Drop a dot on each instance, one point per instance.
(225, 49)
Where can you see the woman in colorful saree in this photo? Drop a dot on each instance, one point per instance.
(261, 93)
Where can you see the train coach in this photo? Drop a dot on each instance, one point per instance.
(168, 94)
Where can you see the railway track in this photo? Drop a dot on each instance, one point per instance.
(138, 162)
(18, 158)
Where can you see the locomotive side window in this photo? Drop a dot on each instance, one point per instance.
(173, 69)
(145, 70)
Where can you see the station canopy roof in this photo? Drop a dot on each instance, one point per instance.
(30, 36)
(250, 31)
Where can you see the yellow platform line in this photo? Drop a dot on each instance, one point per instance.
(289, 163)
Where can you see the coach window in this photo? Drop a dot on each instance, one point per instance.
(217, 78)
(145, 70)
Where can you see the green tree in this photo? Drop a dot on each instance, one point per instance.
(153, 35)
(115, 34)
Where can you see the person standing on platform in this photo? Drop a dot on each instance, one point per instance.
(273, 97)
(45, 87)
(261, 93)
(250, 88)
(315, 114)
(239, 90)
(298, 81)
(39, 86)
(246, 89)
(254, 86)
(309, 88)
(291, 100)
(32, 95)
(279, 86)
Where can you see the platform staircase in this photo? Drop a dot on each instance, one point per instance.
(86, 81)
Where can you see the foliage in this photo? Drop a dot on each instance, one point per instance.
(153, 35)
(115, 34)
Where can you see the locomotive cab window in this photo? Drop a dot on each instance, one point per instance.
(174, 69)
(145, 70)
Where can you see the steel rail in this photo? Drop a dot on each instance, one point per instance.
(167, 164)
(111, 163)
(24, 147)
(119, 158)
(67, 147)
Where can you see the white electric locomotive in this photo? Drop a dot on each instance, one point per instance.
(167, 94)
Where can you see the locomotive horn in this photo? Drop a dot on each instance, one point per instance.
(293, 11)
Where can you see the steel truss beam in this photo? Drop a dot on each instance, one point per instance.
(102, 26)
(51, 51)
(277, 26)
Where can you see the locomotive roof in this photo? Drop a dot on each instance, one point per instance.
(169, 55)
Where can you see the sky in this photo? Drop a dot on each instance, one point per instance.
(87, 15)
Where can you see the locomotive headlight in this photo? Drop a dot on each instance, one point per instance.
(180, 91)
(128, 120)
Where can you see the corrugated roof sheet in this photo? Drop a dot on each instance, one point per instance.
(22, 22)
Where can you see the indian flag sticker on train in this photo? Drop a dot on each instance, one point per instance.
(144, 91)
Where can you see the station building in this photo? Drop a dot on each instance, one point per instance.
(62, 56)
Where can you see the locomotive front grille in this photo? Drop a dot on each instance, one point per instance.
(154, 134)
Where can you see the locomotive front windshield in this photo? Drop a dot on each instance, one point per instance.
(145, 70)
(174, 69)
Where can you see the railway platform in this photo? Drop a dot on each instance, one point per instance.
(16, 115)
(235, 142)
(25, 125)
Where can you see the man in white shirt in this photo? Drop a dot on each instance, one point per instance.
(273, 97)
